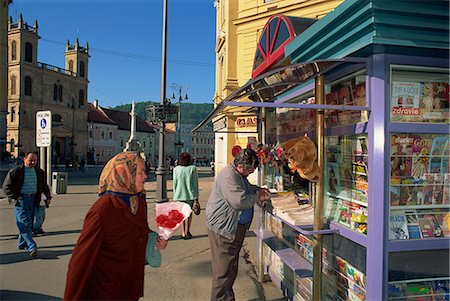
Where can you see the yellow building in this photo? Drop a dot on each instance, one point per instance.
(34, 86)
(238, 28)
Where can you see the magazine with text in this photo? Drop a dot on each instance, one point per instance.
(398, 225)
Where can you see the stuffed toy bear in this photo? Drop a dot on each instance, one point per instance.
(301, 154)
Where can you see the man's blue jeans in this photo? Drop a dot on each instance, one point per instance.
(24, 211)
(39, 218)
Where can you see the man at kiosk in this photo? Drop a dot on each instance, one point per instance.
(229, 213)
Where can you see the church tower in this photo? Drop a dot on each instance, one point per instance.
(23, 43)
(77, 59)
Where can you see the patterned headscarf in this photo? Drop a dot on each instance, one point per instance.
(119, 174)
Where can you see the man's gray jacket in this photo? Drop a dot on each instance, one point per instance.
(231, 194)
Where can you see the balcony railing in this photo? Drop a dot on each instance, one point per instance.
(56, 69)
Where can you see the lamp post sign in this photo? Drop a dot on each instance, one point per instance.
(43, 128)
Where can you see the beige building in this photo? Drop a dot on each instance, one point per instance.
(238, 28)
(34, 86)
(102, 134)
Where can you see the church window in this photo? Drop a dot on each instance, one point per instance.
(28, 52)
(70, 65)
(13, 50)
(28, 86)
(80, 98)
(82, 71)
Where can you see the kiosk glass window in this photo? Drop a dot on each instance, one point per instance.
(419, 186)
(419, 94)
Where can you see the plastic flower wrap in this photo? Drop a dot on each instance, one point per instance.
(169, 217)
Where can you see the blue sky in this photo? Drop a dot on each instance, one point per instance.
(125, 39)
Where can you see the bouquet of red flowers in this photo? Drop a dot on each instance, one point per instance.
(169, 217)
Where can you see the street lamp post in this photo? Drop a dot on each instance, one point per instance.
(179, 88)
(161, 171)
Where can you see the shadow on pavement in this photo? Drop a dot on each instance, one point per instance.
(8, 236)
(23, 256)
(52, 233)
(17, 295)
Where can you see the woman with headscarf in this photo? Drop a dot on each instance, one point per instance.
(108, 260)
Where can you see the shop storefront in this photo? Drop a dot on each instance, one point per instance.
(369, 85)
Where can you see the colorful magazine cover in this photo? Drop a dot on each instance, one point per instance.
(405, 98)
(426, 227)
(437, 154)
(331, 117)
(419, 291)
(437, 231)
(413, 226)
(398, 225)
(420, 156)
(401, 155)
(443, 220)
(395, 195)
(434, 101)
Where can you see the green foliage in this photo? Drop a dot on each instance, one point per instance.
(191, 113)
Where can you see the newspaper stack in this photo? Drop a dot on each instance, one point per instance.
(288, 206)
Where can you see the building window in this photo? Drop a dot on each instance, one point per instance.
(109, 152)
(110, 135)
(121, 143)
(13, 114)
(144, 143)
(60, 93)
(81, 69)
(11, 149)
(70, 65)
(28, 86)
(13, 50)
(81, 98)
(28, 52)
(103, 135)
(55, 92)
(90, 133)
(13, 85)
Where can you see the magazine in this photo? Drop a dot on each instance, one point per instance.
(426, 227)
(443, 220)
(437, 154)
(401, 153)
(398, 226)
(420, 156)
(331, 116)
(395, 195)
(413, 226)
(405, 98)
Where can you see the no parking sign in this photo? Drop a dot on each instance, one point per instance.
(43, 128)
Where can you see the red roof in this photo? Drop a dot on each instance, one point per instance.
(97, 116)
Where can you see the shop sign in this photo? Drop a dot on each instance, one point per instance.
(220, 124)
(244, 122)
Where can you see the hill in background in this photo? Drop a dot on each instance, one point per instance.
(191, 113)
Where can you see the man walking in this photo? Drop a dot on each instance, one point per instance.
(229, 213)
(25, 185)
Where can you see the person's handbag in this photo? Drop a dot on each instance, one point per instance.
(152, 254)
(196, 207)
